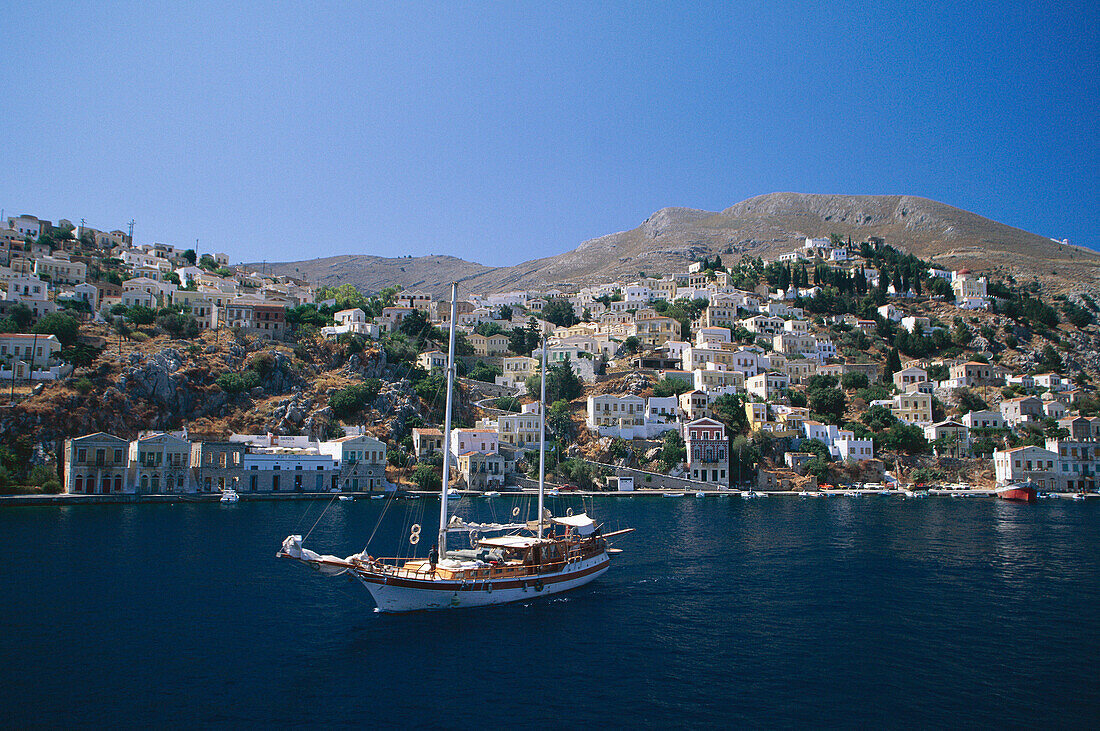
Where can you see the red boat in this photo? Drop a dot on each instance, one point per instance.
(1023, 492)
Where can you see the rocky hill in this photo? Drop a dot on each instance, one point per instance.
(764, 226)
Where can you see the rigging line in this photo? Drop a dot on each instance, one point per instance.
(330, 502)
(304, 514)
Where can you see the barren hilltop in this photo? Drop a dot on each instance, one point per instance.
(764, 226)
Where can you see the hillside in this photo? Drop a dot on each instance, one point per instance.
(764, 226)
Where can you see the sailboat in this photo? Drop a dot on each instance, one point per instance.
(506, 562)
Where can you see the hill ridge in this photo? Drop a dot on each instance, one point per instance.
(765, 225)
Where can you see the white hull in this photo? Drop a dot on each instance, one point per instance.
(457, 594)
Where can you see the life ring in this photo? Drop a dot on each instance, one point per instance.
(538, 585)
(569, 511)
(515, 512)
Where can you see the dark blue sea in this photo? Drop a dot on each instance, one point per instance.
(785, 612)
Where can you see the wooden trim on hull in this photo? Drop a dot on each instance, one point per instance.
(370, 577)
(391, 598)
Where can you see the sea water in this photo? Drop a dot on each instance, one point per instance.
(719, 612)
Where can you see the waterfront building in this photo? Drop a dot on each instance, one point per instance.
(96, 464)
(707, 450)
(1033, 464)
(219, 466)
(1079, 462)
(160, 463)
(360, 461)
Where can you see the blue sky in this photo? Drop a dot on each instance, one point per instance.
(506, 131)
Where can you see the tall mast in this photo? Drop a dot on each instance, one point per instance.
(542, 435)
(447, 429)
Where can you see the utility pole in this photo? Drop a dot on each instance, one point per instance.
(132, 231)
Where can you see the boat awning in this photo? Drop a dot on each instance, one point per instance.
(582, 523)
(512, 541)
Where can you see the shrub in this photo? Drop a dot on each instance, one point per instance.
(83, 385)
(349, 401)
(180, 327)
(51, 487)
(231, 383)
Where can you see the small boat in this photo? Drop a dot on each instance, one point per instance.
(377, 497)
(452, 492)
(347, 497)
(759, 494)
(672, 494)
(1021, 492)
(700, 494)
(1079, 496)
(229, 495)
(552, 492)
(491, 493)
(412, 496)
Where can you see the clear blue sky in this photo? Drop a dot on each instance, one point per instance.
(507, 131)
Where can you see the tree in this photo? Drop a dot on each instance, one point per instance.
(562, 382)
(968, 400)
(179, 326)
(817, 448)
(488, 328)
(65, 327)
(427, 477)
(828, 402)
(505, 312)
(893, 363)
(559, 421)
(507, 403)
(21, 315)
(484, 372)
(878, 418)
(141, 315)
(853, 380)
(415, 324)
(560, 312)
(673, 451)
(517, 342)
(730, 409)
(632, 344)
(901, 437)
(189, 256)
(960, 333)
(1049, 360)
(346, 296)
(670, 387)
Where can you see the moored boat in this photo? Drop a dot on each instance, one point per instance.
(1022, 492)
(229, 495)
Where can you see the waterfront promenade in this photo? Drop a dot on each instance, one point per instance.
(131, 498)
